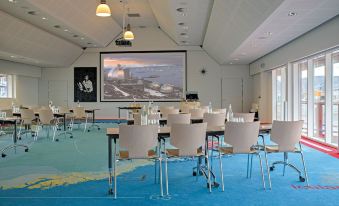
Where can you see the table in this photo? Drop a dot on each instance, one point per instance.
(13, 121)
(163, 132)
(163, 121)
(127, 108)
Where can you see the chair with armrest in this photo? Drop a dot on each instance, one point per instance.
(137, 142)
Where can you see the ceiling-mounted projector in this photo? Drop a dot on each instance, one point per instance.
(123, 43)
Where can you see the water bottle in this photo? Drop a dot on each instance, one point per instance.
(78, 103)
(209, 107)
(229, 113)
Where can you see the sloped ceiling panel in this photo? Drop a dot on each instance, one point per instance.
(33, 45)
(231, 22)
(187, 26)
(80, 16)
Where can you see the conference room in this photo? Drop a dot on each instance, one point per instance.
(169, 102)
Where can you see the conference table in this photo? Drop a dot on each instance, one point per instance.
(12, 120)
(163, 132)
(163, 121)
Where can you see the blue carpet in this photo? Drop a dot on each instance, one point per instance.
(136, 187)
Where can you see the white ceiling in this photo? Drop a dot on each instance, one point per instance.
(230, 31)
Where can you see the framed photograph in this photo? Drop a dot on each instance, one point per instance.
(142, 76)
(85, 84)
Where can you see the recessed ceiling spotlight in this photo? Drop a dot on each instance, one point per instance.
(231, 62)
(32, 13)
(12, 56)
(292, 13)
(12, 1)
(181, 10)
(66, 30)
(44, 18)
(185, 27)
(82, 38)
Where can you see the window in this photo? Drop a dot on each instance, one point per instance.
(319, 97)
(335, 97)
(302, 69)
(6, 86)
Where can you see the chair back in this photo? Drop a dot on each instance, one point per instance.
(204, 108)
(8, 112)
(223, 110)
(63, 110)
(166, 112)
(46, 116)
(178, 119)
(214, 119)
(79, 112)
(188, 138)
(241, 135)
(138, 139)
(286, 134)
(248, 117)
(197, 113)
(27, 115)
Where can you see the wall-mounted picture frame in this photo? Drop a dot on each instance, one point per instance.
(85, 84)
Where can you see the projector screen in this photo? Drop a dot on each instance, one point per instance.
(143, 76)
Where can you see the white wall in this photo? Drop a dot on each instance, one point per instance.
(27, 78)
(319, 39)
(150, 39)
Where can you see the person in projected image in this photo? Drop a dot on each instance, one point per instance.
(86, 85)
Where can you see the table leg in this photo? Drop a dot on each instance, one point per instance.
(110, 190)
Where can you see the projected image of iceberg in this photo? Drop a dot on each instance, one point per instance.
(142, 76)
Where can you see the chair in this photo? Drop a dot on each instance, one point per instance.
(5, 114)
(248, 117)
(69, 116)
(137, 142)
(197, 113)
(27, 120)
(286, 134)
(80, 115)
(178, 119)
(166, 111)
(214, 119)
(46, 118)
(242, 136)
(189, 140)
(204, 108)
(223, 110)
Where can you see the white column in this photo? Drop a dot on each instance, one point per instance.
(328, 92)
(310, 103)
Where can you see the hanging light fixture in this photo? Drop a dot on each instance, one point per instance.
(103, 9)
(128, 34)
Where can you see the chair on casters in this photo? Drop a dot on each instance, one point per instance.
(46, 118)
(80, 115)
(243, 137)
(286, 134)
(28, 119)
(189, 141)
(137, 142)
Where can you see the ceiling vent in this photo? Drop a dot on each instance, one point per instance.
(133, 15)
